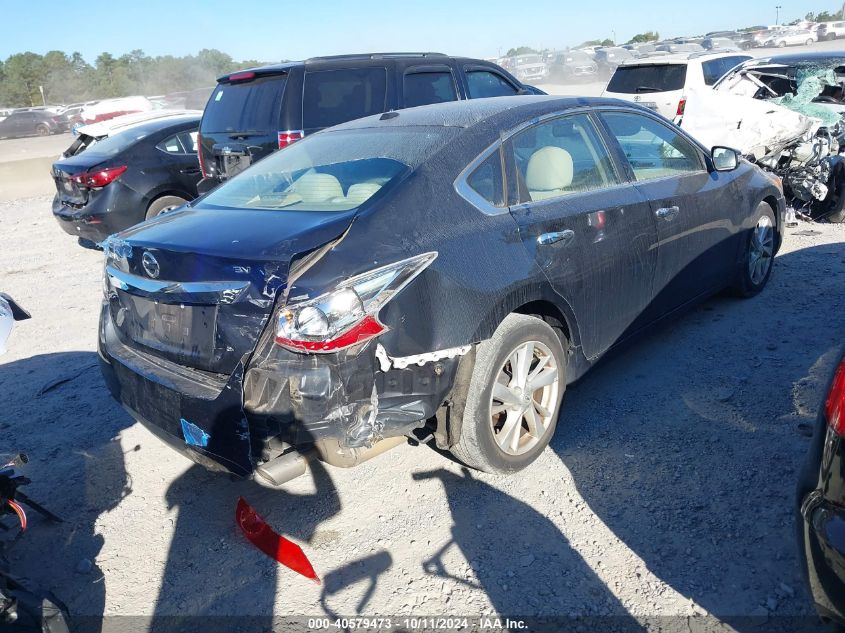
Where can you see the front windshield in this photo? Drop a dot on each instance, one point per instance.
(528, 59)
(330, 171)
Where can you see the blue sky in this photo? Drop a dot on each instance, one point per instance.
(271, 30)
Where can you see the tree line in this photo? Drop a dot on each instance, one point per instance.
(69, 78)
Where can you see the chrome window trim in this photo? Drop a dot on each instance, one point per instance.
(471, 195)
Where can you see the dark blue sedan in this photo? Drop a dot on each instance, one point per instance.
(443, 271)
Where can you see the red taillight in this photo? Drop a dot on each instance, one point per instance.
(244, 76)
(199, 156)
(365, 329)
(99, 178)
(834, 406)
(286, 138)
(682, 104)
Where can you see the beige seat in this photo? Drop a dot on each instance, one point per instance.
(314, 187)
(360, 193)
(549, 173)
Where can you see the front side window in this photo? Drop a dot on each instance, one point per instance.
(423, 88)
(561, 157)
(483, 83)
(336, 96)
(653, 149)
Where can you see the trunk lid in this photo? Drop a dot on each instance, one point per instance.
(197, 286)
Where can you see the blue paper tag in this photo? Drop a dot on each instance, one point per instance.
(194, 435)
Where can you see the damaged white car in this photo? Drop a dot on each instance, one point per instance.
(783, 113)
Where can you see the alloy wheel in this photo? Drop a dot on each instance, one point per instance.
(761, 250)
(524, 398)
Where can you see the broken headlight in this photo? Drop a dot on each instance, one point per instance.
(347, 315)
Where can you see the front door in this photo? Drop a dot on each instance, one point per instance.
(591, 232)
(694, 208)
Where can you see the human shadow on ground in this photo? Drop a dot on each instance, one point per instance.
(57, 410)
(698, 478)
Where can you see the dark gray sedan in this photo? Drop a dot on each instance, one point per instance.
(444, 271)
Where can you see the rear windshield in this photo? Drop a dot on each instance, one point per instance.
(114, 145)
(330, 171)
(648, 78)
(251, 107)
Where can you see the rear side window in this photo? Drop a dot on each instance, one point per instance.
(251, 106)
(648, 78)
(714, 69)
(337, 96)
(422, 88)
(483, 83)
(486, 180)
(561, 157)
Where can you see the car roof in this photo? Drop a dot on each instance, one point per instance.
(136, 119)
(681, 58)
(506, 111)
(818, 58)
(160, 125)
(281, 68)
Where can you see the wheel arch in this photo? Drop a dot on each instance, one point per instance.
(538, 300)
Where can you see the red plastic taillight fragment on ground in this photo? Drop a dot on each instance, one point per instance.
(277, 547)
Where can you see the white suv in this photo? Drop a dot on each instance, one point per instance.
(661, 83)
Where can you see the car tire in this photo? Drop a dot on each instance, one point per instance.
(42, 130)
(808, 43)
(497, 362)
(781, 44)
(758, 258)
(165, 203)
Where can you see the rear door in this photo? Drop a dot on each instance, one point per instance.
(175, 160)
(695, 210)
(589, 229)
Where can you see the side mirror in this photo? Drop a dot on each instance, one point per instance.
(724, 158)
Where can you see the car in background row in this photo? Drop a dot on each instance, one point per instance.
(124, 179)
(821, 505)
(830, 30)
(88, 135)
(661, 83)
(609, 59)
(530, 68)
(720, 44)
(573, 65)
(679, 48)
(254, 112)
(31, 123)
(791, 37)
(461, 260)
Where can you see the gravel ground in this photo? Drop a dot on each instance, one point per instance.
(667, 491)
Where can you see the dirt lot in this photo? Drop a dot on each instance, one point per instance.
(667, 491)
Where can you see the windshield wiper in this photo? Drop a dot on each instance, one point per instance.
(648, 89)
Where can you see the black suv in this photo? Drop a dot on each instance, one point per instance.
(254, 112)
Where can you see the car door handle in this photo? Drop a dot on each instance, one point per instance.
(667, 213)
(555, 237)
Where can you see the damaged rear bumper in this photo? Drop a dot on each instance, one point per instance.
(275, 401)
